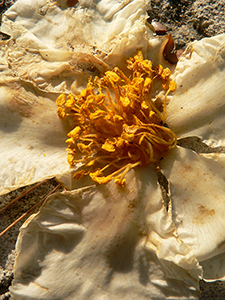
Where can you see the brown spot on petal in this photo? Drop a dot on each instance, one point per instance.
(205, 212)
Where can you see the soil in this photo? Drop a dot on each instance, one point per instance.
(189, 20)
(186, 20)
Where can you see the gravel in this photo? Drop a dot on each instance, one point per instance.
(189, 20)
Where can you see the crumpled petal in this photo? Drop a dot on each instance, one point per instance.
(105, 242)
(197, 186)
(198, 107)
(55, 47)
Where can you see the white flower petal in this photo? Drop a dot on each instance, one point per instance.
(198, 199)
(198, 107)
(105, 242)
(32, 139)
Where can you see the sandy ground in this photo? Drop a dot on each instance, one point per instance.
(186, 20)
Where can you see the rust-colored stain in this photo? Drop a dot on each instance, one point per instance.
(187, 167)
(203, 214)
(206, 212)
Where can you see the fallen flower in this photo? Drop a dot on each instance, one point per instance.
(121, 242)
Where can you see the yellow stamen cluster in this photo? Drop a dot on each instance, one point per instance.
(117, 126)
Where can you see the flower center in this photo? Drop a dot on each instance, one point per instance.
(117, 125)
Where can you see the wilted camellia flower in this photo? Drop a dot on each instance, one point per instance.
(156, 224)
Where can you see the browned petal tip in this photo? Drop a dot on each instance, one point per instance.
(71, 3)
(169, 51)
